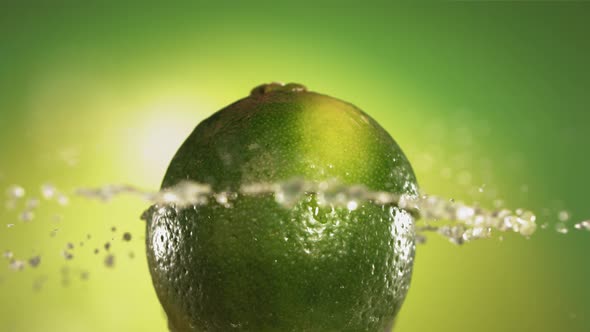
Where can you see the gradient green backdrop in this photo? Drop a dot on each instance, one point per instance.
(491, 95)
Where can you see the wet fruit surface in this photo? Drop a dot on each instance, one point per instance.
(251, 264)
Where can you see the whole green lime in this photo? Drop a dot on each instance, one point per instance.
(252, 264)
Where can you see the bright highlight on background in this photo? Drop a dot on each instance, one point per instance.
(164, 127)
(487, 96)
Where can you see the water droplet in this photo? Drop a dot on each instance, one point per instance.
(63, 200)
(421, 239)
(561, 228)
(17, 265)
(146, 215)
(32, 203)
(526, 227)
(564, 216)
(222, 199)
(8, 254)
(35, 261)
(465, 212)
(16, 192)
(584, 225)
(48, 191)
(27, 216)
(109, 261)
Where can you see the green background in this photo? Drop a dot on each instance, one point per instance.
(490, 95)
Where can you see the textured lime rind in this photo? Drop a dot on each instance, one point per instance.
(259, 266)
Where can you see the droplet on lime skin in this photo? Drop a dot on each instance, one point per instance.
(225, 264)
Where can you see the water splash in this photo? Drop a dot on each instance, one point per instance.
(455, 220)
(584, 225)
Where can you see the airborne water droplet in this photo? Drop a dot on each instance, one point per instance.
(63, 200)
(48, 191)
(27, 216)
(8, 254)
(17, 265)
(564, 216)
(67, 255)
(109, 261)
(35, 261)
(561, 228)
(584, 225)
(16, 192)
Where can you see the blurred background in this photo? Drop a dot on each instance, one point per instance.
(488, 100)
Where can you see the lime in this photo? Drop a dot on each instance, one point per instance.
(255, 265)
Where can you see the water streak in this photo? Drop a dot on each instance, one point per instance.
(455, 220)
